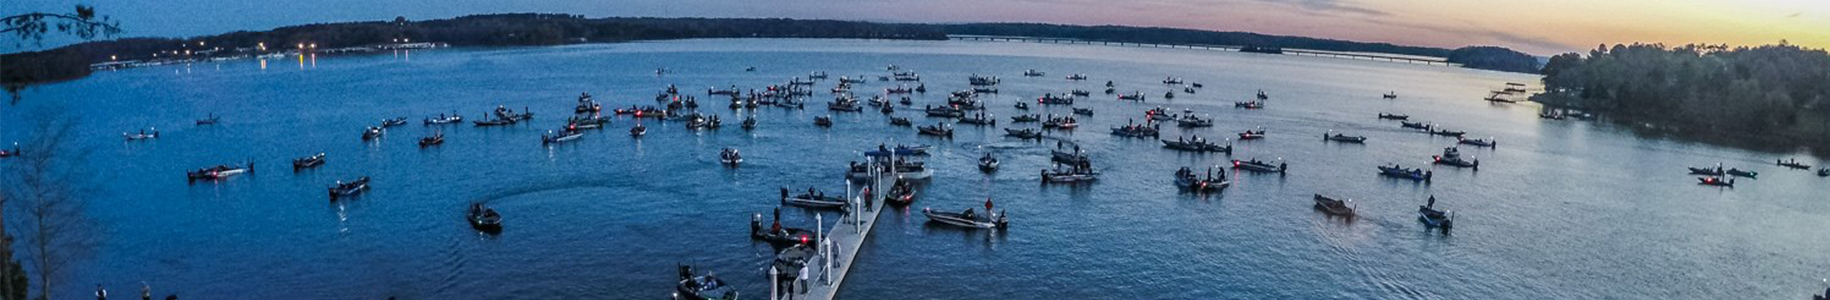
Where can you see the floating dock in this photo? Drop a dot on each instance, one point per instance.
(840, 246)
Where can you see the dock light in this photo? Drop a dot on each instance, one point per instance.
(112, 57)
(314, 45)
(406, 40)
(301, 45)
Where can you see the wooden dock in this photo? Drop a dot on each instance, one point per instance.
(840, 246)
(1286, 51)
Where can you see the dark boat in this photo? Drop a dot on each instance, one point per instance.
(308, 162)
(1262, 96)
(968, 218)
(696, 122)
(443, 119)
(484, 219)
(816, 75)
(730, 157)
(1338, 137)
(1025, 118)
(1196, 144)
(980, 119)
(944, 111)
(1080, 93)
(1077, 77)
(822, 121)
(1026, 133)
(211, 120)
(218, 172)
(1051, 99)
(638, 130)
(1083, 111)
(1390, 95)
(940, 130)
(494, 122)
(1715, 181)
(1186, 179)
(728, 92)
(1717, 171)
(813, 199)
(1256, 165)
(1446, 132)
(1742, 173)
(1249, 104)
(1252, 134)
(1488, 142)
(987, 163)
(142, 135)
(1452, 157)
(1793, 163)
(1062, 123)
(897, 121)
(777, 235)
(371, 133)
(1159, 114)
(1188, 90)
(1414, 125)
(1072, 158)
(844, 104)
(10, 153)
(1190, 120)
(706, 287)
(385, 123)
(348, 189)
(1134, 96)
(985, 90)
(749, 123)
(1169, 95)
(1821, 172)
(1433, 218)
(1397, 171)
(976, 80)
(1032, 73)
(1071, 174)
(902, 89)
(1172, 80)
(434, 140)
(902, 193)
(1136, 130)
(1332, 206)
(560, 137)
(1386, 116)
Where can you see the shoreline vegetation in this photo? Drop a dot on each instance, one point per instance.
(527, 29)
(1773, 97)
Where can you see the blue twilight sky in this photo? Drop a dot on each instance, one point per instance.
(1541, 27)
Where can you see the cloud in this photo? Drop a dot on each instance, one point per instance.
(1331, 6)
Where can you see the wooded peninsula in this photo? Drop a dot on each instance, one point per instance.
(1774, 96)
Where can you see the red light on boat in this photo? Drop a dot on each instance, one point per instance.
(803, 239)
(1235, 163)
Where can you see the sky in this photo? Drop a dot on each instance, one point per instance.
(1538, 27)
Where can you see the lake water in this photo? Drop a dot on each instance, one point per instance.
(1560, 210)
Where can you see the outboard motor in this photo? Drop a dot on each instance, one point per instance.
(755, 224)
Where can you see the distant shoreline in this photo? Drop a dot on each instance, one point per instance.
(79, 60)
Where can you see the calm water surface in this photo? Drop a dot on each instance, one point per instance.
(1561, 210)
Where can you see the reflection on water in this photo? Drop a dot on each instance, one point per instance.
(1566, 210)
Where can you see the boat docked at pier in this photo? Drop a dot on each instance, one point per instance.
(813, 199)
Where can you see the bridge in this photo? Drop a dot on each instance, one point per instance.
(1287, 51)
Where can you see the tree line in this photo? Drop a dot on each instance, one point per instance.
(71, 62)
(1774, 94)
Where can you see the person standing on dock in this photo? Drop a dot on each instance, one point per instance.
(802, 280)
